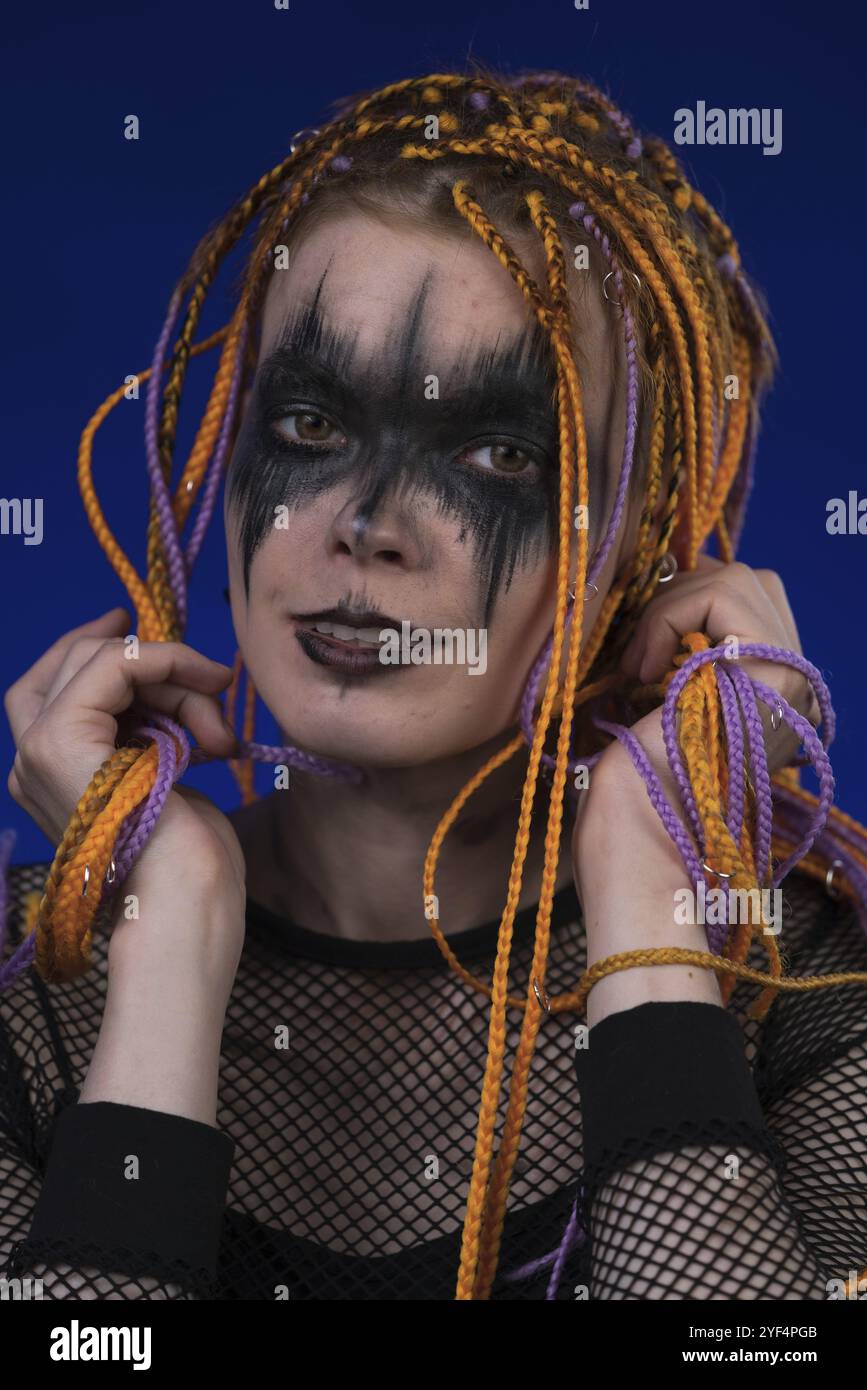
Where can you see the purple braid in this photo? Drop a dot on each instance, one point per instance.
(164, 509)
(770, 697)
(215, 472)
(573, 1236)
(792, 809)
(630, 138)
(735, 745)
(174, 755)
(742, 486)
(589, 222)
(19, 961)
(761, 778)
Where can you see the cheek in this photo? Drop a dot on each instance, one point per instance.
(235, 575)
(257, 604)
(520, 624)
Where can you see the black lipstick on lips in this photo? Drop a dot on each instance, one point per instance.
(345, 639)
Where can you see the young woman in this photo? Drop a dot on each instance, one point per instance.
(497, 372)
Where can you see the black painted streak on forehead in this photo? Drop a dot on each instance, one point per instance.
(401, 443)
(406, 353)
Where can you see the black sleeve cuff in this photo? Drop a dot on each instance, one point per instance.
(173, 1209)
(664, 1074)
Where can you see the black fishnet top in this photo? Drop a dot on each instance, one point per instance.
(711, 1156)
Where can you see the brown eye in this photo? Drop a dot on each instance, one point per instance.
(502, 458)
(307, 427)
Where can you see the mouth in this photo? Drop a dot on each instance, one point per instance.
(346, 641)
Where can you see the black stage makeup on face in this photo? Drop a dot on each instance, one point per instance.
(381, 432)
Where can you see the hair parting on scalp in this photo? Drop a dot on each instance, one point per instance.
(543, 158)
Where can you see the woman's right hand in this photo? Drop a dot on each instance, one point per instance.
(63, 711)
(180, 920)
(64, 717)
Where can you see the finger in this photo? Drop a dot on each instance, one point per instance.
(201, 714)
(107, 684)
(78, 655)
(797, 689)
(704, 564)
(719, 611)
(794, 688)
(773, 586)
(720, 604)
(24, 700)
(691, 582)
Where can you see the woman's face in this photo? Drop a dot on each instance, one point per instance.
(397, 469)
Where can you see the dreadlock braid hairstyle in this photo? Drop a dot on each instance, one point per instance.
(543, 160)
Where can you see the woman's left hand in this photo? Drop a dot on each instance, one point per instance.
(627, 869)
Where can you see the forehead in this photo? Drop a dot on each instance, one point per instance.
(372, 271)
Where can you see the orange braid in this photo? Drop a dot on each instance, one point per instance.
(52, 931)
(501, 1177)
(571, 433)
(644, 264)
(65, 906)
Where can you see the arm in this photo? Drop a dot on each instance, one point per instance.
(684, 1185)
(144, 1123)
(685, 1193)
(129, 1207)
(127, 1187)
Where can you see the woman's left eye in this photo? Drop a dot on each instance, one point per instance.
(307, 427)
(502, 458)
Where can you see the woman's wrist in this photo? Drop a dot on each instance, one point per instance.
(632, 880)
(163, 1055)
(171, 967)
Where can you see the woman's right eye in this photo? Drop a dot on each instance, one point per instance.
(308, 427)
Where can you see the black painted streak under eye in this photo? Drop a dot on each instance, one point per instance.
(399, 442)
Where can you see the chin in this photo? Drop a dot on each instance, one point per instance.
(399, 741)
(401, 719)
(359, 744)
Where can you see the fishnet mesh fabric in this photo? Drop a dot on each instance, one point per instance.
(354, 1143)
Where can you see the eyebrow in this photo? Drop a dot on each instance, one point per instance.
(492, 382)
(490, 385)
(507, 383)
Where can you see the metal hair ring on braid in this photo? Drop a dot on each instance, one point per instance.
(673, 266)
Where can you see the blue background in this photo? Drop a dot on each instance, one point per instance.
(98, 228)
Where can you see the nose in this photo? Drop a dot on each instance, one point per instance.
(376, 531)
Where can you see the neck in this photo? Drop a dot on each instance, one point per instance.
(348, 860)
